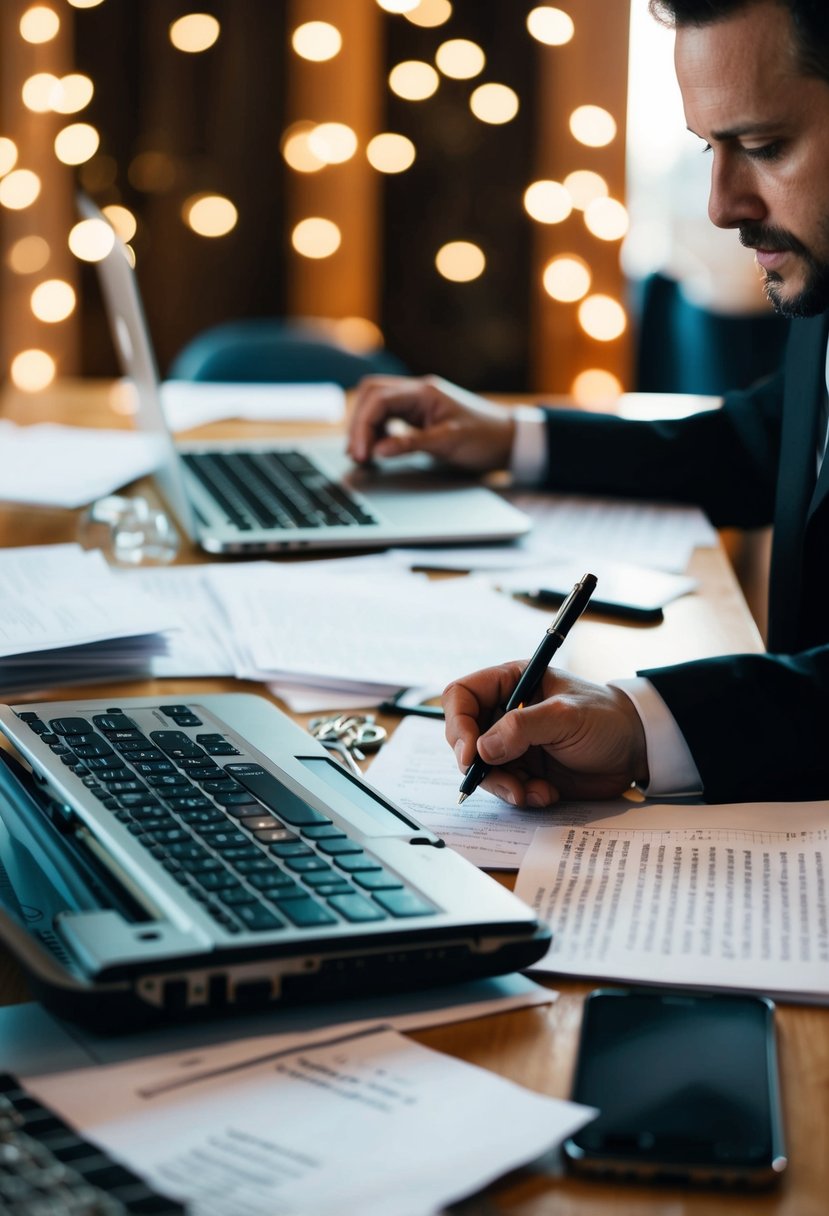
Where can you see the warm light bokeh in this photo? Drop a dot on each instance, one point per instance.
(460, 261)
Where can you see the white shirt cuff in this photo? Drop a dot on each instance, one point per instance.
(671, 766)
(528, 462)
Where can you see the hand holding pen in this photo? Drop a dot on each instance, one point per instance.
(571, 738)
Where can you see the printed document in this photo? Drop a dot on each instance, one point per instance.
(417, 770)
(732, 896)
(374, 1124)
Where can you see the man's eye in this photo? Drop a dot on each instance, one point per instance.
(764, 152)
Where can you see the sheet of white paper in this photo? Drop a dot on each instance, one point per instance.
(305, 699)
(618, 582)
(385, 630)
(730, 896)
(60, 596)
(417, 770)
(655, 535)
(345, 1127)
(69, 466)
(189, 403)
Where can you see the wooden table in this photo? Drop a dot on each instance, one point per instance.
(535, 1048)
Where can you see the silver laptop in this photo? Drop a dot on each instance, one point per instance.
(263, 497)
(209, 855)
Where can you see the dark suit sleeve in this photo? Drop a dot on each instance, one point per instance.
(757, 724)
(723, 460)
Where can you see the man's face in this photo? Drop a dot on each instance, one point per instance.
(767, 126)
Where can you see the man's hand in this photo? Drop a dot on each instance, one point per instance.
(581, 740)
(445, 421)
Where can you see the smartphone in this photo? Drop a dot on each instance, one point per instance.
(646, 614)
(686, 1085)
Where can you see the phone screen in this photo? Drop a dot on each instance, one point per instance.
(685, 1083)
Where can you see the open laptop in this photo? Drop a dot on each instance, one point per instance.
(171, 859)
(263, 497)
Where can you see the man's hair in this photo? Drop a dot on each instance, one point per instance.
(810, 24)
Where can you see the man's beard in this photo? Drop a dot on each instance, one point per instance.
(814, 298)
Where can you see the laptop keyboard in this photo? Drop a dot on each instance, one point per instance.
(47, 1169)
(275, 490)
(254, 854)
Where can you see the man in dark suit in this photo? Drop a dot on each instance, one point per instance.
(754, 76)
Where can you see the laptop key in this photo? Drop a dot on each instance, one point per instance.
(356, 908)
(257, 917)
(283, 802)
(377, 880)
(338, 845)
(403, 903)
(353, 863)
(305, 912)
(303, 865)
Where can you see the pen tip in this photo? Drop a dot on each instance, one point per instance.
(462, 798)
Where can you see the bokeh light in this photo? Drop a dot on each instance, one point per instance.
(37, 92)
(122, 220)
(494, 103)
(583, 185)
(460, 261)
(549, 25)
(316, 237)
(595, 386)
(53, 301)
(71, 93)
(413, 80)
(32, 370)
(8, 155)
(606, 218)
(460, 59)
(317, 41)
(39, 24)
(91, 240)
(357, 334)
(210, 215)
(76, 143)
(390, 153)
(84, 3)
(296, 148)
(548, 202)
(592, 126)
(28, 255)
(194, 33)
(602, 318)
(333, 143)
(566, 278)
(19, 189)
(430, 13)
(398, 6)
(152, 172)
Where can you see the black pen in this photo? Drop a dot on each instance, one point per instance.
(531, 677)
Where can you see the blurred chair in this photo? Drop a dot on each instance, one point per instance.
(269, 350)
(684, 348)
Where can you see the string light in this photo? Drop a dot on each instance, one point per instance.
(551, 26)
(460, 59)
(39, 24)
(316, 237)
(210, 215)
(194, 33)
(494, 103)
(317, 41)
(460, 261)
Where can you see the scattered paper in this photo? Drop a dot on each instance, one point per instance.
(659, 536)
(70, 466)
(190, 403)
(618, 582)
(417, 770)
(375, 1124)
(731, 896)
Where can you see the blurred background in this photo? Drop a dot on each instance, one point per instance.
(494, 190)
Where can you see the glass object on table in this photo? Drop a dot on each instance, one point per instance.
(129, 531)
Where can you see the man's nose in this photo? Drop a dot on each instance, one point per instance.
(734, 198)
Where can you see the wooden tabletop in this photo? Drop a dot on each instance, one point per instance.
(535, 1048)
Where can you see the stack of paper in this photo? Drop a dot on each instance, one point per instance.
(67, 619)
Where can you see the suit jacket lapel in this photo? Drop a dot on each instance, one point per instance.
(796, 488)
